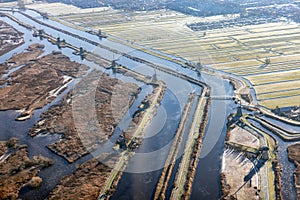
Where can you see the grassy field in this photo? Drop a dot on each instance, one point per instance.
(8, 4)
(62, 9)
(238, 50)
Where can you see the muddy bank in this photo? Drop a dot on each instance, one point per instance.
(17, 170)
(98, 60)
(31, 54)
(38, 82)
(150, 100)
(134, 136)
(94, 179)
(10, 38)
(86, 182)
(112, 99)
(166, 173)
(236, 168)
(196, 148)
(277, 168)
(27, 57)
(294, 156)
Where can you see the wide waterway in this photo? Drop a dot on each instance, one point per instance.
(143, 171)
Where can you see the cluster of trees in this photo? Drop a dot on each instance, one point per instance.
(275, 11)
(254, 8)
(135, 4)
(235, 22)
(205, 8)
(196, 7)
(254, 15)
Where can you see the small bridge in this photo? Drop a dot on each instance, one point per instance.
(222, 97)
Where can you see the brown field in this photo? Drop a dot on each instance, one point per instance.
(238, 50)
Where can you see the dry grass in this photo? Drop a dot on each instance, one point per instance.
(8, 4)
(62, 9)
(275, 77)
(241, 136)
(279, 94)
(282, 102)
(235, 169)
(237, 50)
(276, 87)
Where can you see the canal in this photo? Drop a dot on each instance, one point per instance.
(140, 177)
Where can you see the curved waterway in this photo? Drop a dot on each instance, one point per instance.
(160, 132)
(207, 179)
(288, 189)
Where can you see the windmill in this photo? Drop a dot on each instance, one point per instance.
(236, 117)
(114, 64)
(199, 67)
(267, 60)
(154, 77)
(21, 4)
(58, 42)
(239, 112)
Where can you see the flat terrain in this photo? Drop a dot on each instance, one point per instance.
(239, 50)
(82, 184)
(236, 165)
(17, 170)
(60, 8)
(10, 38)
(32, 82)
(294, 156)
(112, 99)
(101, 175)
(241, 136)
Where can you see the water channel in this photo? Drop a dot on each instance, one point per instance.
(143, 171)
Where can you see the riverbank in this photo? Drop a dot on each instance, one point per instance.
(10, 38)
(36, 80)
(262, 155)
(86, 181)
(182, 186)
(294, 156)
(284, 134)
(134, 136)
(253, 154)
(241, 55)
(112, 99)
(174, 150)
(118, 91)
(169, 71)
(17, 170)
